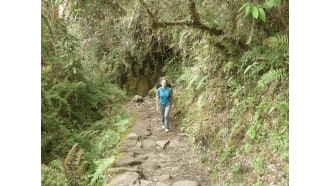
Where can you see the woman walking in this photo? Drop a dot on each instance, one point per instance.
(163, 103)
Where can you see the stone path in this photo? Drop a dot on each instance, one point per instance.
(153, 157)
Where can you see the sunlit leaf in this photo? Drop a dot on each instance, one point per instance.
(247, 11)
(255, 12)
(262, 15)
(240, 9)
(271, 110)
(247, 69)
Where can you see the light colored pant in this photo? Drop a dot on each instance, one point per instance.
(165, 115)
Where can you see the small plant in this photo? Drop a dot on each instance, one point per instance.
(98, 177)
(257, 12)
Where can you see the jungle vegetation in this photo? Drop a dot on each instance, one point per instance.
(228, 63)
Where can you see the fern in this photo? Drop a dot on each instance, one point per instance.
(270, 76)
(278, 41)
(247, 57)
(70, 155)
(56, 164)
(200, 101)
(73, 167)
(52, 176)
(108, 141)
(80, 169)
(58, 102)
(193, 79)
(67, 164)
(98, 177)
(202, 82)
(89, 133)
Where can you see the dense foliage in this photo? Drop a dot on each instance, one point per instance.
(228, 62)
(81, 117)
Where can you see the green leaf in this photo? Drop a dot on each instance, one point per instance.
(249, 67)
(262, 15)
(240, 9)
(269, 4)
(251, 132)
(255, 12)
(271, 110)
(247, 11)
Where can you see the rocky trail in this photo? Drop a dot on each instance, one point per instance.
(153, 157)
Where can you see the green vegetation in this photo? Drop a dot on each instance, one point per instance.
(228, 62)
(81, 114)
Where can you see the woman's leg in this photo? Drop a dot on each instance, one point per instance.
(162, 114)
(167, 116)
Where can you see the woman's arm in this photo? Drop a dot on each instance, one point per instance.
(157, 100)
(172, 99)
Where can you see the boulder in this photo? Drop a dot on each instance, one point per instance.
(137, 99)
(127, 178)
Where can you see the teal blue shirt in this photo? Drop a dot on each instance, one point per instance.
(164, 95)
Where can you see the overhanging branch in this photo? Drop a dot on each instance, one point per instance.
(194, 22)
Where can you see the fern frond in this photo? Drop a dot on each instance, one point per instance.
(70, 155)
(279, 41)
(103, 165)
(89, 133)
(58, 102)
(56, 164)
(78, 158)
(192, 80)
(73, 167)
(200, 101)
(67, 164)
(108, 140)
(78, 163)
(122, 124)
(52, 176)
(270, 76)
(202, 82)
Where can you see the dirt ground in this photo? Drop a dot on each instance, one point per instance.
(152, 156)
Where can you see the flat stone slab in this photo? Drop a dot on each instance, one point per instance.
(127, 178)
(119, 170)
(129, 143)
(149, 145)
(161, 184)
(162, 178)
(162, 143)
(146, 183)
(150, 165)
(129, 161)
(135, 149)
(186, 183)
(132, 136)
(140, 131)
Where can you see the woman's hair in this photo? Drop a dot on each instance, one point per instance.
(162, 78)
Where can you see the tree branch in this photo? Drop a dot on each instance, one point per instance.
(63, 8)
(148, 11)
(194, 22)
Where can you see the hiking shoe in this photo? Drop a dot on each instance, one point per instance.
(166, 130)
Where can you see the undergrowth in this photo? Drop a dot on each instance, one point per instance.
(239, 124)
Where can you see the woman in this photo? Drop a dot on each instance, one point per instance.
(159, 84)
(163, 103)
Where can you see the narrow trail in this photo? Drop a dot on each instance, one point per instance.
(153, 157)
